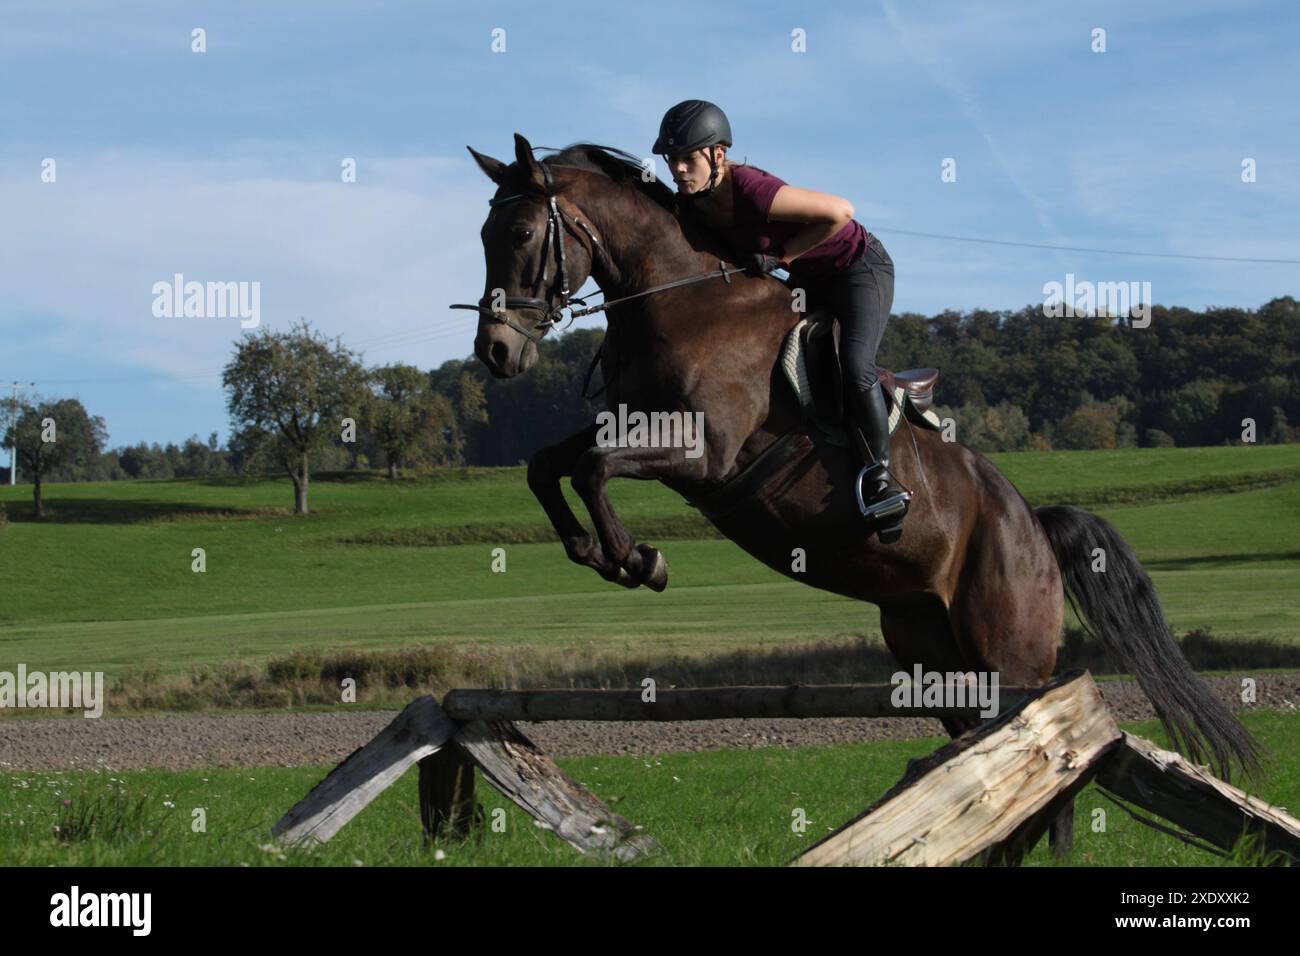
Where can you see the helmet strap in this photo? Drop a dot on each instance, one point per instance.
(713, 175)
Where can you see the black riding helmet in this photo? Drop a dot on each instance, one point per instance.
(691, 125)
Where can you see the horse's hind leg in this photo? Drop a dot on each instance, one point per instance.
(919, 632)
(1008, 608)
(922, 632)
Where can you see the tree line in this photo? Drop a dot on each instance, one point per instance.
(1009, 380)
(300, 402)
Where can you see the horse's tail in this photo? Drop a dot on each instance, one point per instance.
(1121, 609)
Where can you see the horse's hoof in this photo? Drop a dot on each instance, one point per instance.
(626, 580)
(654, 567)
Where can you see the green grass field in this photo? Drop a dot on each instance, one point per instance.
(728, 808)
(105, 583)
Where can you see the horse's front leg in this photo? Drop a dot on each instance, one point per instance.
(545, 469)
(592, 473)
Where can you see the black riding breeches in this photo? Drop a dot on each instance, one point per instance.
(860, 296)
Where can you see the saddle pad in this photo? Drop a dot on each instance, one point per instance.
(794, 362)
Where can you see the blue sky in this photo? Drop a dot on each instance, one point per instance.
(225, 165)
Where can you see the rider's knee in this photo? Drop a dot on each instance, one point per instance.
(862, 377)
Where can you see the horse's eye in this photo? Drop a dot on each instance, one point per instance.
(522, 236)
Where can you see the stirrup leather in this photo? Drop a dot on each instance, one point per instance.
(893, 506)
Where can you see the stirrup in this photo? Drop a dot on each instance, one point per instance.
(892, 506)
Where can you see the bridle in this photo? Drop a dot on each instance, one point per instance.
(557, 223)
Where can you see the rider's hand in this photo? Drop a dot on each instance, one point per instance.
(760, 263)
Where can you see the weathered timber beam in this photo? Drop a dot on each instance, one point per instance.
(706, 703)
(1164, 783)
(419, 730)
(987, 795)
(513, 764)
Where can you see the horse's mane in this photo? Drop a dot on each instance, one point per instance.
(614, 164)
(625, 169)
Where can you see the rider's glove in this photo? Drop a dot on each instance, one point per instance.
(762, 264)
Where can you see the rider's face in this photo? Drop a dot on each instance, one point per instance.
(691, 170)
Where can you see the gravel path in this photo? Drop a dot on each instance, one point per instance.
(277, 740)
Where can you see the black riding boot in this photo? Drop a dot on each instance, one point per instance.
(879, 498)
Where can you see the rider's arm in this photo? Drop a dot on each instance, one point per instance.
(824, 214)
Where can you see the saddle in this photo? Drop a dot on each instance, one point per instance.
(810, 359)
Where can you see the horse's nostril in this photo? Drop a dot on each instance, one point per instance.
(499, 353)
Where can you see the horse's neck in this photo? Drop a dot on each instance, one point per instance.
(656, 343)
(645, 251)
(648, 246)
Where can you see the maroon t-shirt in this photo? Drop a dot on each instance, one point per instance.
(753, 190)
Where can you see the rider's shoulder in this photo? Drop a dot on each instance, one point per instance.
(744, 172)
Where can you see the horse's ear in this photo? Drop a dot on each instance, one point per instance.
(529, 167)
(494, 168)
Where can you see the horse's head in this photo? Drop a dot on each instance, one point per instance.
(538, 250)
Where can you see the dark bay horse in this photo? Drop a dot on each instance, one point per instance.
(977, 582)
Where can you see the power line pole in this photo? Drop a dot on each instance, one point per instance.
(13, 449)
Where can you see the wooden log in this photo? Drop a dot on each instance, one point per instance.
(1164, 783)
(1013, 850)
(514, 765)
(705, 703)
(447, 805)
(988, 794)
(418, 731)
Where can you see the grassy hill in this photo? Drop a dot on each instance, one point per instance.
(105, 582)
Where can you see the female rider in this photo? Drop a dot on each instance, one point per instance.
(827, 252)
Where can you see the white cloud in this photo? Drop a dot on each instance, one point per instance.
(370, 260)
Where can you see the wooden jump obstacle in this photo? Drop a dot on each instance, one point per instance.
(987, 796)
